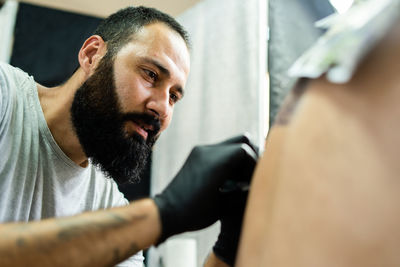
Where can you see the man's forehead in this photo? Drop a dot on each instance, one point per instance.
(165, 46)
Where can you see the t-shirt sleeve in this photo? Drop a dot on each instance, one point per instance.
(11, 79)
(1, 96)
(4, 93)
(134, 261)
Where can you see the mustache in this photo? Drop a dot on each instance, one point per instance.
(145, 118)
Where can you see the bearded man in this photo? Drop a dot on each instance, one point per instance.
(63, 148)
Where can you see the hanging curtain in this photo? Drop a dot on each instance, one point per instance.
(53, 57)
(292, 31)
(226, 93)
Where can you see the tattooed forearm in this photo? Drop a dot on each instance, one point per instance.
(289, 105)
(118, 257)
(70, 229)
(102, 238)
(73, 229)
(21, 242)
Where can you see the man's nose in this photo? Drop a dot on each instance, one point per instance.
(159, 103)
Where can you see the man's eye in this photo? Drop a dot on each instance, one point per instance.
(174, 98)
(151, 74)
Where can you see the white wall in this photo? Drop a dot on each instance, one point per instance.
(7, 21)
(103, 8)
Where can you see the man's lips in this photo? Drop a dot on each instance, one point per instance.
(141, 129)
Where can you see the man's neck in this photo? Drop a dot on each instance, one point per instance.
(56, 105)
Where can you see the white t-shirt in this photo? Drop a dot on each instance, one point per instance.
(37, 180)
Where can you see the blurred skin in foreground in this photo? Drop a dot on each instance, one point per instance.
(326, 190)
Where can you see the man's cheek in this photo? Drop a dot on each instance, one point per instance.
(165, 123)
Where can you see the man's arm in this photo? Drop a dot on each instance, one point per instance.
(102, 238)
(107, 237)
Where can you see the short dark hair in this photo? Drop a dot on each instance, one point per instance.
(119, 28)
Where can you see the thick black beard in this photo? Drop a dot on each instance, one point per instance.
(98, 121)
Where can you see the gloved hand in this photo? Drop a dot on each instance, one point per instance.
(232, 206)
(190, 201)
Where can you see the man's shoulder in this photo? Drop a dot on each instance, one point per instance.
(13, 79)
(14, 84)
(11, 72)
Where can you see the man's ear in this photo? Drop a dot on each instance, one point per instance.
(91, 52)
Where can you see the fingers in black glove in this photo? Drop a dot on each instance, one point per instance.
(232, 206)
(190, 201)
(245, 139)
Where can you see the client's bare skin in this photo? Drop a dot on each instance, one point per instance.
(327, 189)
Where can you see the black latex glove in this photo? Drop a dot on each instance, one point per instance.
(232, 206)
(190, 201)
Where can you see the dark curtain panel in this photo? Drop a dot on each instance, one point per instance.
(47, 42)
(46, 45)
(292, 31)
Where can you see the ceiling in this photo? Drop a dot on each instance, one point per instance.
(103, 8)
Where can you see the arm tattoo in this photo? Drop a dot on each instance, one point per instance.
(75, 228)
(71, 230)
(25, 236)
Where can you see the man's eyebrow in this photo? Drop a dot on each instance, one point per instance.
(164, 70)
(159, 65)
(181, 91)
